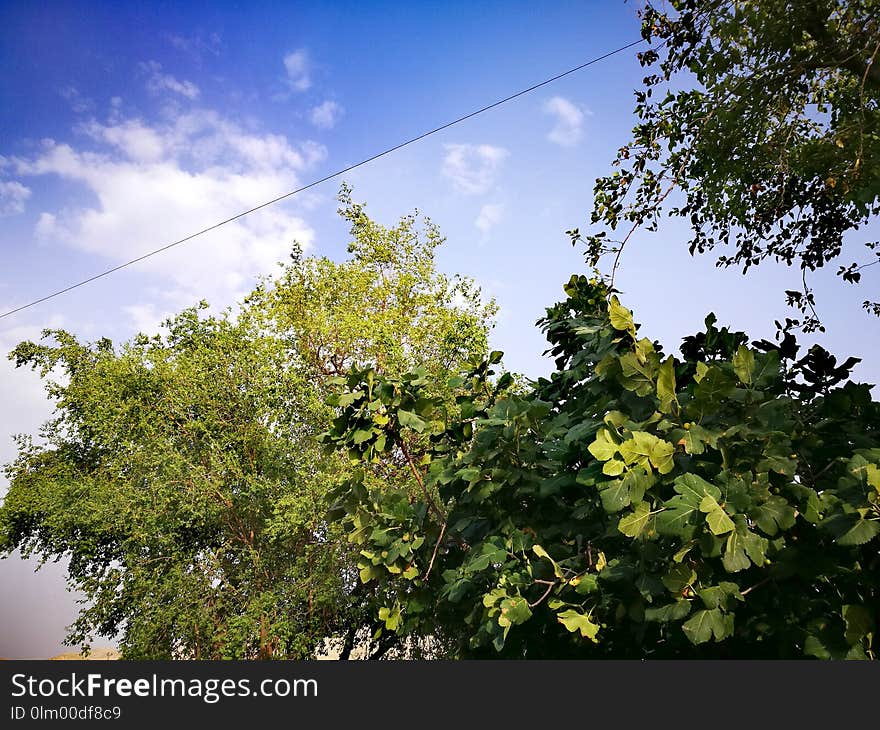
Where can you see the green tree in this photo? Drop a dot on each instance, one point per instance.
(181, 474)
(721, 504)
(769, 129)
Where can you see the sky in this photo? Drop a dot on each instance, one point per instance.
(125, 126)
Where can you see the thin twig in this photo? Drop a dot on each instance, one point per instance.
(638, 223)
(550, 585)
(808, 298)
(757, 585)
(436, 548)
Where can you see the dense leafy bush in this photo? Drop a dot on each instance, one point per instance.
(721, 504)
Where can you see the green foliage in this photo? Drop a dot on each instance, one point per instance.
(725, 504)
(182, 475)
(769, 128)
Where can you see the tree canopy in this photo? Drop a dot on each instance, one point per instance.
(763, 118)
(721, 504)
(181, 474)
(344, 457)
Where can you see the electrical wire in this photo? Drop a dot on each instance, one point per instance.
(324, 179)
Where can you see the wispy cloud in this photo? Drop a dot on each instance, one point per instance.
(326, 115)
(13, 196)
(568, 129)
(79, 104)
(146, 318)
(153, 183)
(159, 82)
(198, 44)
(298, 67)
(489, 216)
(472, 168)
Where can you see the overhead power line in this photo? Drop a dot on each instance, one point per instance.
(324, 179)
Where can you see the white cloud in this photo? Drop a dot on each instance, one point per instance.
(490, 216)
(568, 129)
(159, 82)
(12, 197)
(325, 116)
(298, 70)
(472, 168)
(154, 183)
(135, 139)
(146, 318)
(197, 45)
(46, 228)
(79, 104)
(25, 405)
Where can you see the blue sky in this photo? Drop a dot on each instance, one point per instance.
(124, 126)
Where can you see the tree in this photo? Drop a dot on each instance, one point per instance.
(773, 144)
(181, 474)
(721, 504)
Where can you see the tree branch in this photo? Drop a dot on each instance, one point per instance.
(418, 477)
(436, 548)
(550, 585)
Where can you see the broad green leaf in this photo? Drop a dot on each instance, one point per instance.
(613, 467)
(636, 375)
(780, 463)
(719, 596)
(717, 519)
(670, 612)
(469, 474)
(391, 617)
(616, 419)
(700, 627)
(615, 496)
(486, 555)
(514, 611)
(815, 647)
(859, 623)
(638, 481)
(661, 456)
(775, 514)
(695, 439)
(410, 420)
(694, 488)
(362, 435)
(680, 555)
(676, 517)
(666, 386)
(646, 450)
(861, 532)
(584, 584)
(576, 621)
(744, 364)
(346, 399)
(632, 524)
(678, 578)
(604, 447)
(621, 317)
(756, 547)
(714, 387)
(493, 596)
(766, 369)
(872, 474)
(735, 558)
(542, 553)
(369, 572)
